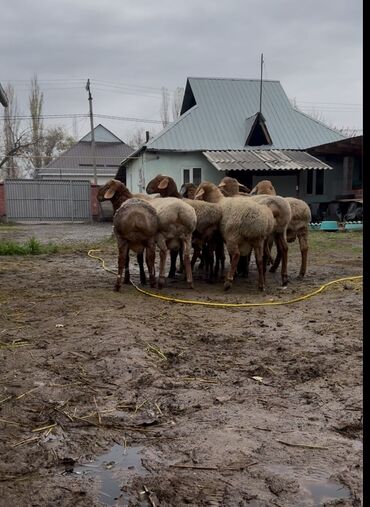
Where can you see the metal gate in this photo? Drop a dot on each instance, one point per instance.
(48, 200)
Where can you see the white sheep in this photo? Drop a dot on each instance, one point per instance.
(231, 187)
(282, 215)
(245, 225)
(206, 237)
(297, 227)
(263, 187)
(135, 225)
(177, 221)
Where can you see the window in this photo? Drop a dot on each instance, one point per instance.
(197, 175)
(192, 175)
(319, 182)
(356, 175)
(186, 176)
(315, 182)
(309, 182)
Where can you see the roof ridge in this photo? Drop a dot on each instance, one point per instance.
(235, 79)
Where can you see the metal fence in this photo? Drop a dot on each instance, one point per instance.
(48, 200)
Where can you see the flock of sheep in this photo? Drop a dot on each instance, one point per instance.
(203, 219)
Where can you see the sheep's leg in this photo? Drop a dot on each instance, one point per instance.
(181, 268)
(234, 253)
(210, 252)
(150, 262)
(196, 255)
(303, 245)
(258, 254)
(282, 246)
(161, 242)
(127, 270)
(186, 243)
(243, 265)
(276, 262)
(140, 261)
(122, 263)
(173, 256)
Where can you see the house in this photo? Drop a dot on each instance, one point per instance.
(77, 162)
(239, 128)
(344, 185)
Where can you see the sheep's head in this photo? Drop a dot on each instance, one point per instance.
(107, 191)
(209, 192)
(229, 186)
(164, 185)
(188, 190)
(263, 187)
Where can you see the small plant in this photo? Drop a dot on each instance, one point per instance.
(30, 247)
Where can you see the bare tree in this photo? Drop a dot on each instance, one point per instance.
(36, 99)
(177, 102)
(137, 137)
(164, 107)
(15, 142)
(56, 140)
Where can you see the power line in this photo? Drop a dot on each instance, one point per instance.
(85, 115)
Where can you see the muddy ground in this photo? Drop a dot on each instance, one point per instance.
(122, 399)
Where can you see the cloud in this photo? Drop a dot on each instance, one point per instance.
(314, 48)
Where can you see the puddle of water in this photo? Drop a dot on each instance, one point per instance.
(315, 483)
(119, 461)
(323, 491)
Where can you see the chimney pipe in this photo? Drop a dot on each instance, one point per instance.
(146, 136)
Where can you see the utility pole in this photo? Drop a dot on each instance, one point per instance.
(261, 83)
(92, 132)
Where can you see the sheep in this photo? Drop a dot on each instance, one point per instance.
(245, 225)
(208, 219)
(114, 191)
(176, 223)
(297, 227)
(265, 191)
(282, 215)
(263, 187)
(231, 187)
(188, 190)
(135, 225)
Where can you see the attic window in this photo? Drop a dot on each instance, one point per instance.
(258, 134)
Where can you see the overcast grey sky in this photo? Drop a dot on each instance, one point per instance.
(131, 49)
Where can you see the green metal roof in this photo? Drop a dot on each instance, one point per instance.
(216, 115)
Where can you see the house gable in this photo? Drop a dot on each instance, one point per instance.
(257, 132)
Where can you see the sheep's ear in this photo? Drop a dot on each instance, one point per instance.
(109, 193)
(222, 184)
(199, 194)
(164, 183)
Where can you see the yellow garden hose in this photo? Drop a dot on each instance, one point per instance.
(227, 305)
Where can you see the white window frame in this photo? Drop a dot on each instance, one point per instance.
(191, 174)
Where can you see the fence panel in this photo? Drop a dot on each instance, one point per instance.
(48, 200)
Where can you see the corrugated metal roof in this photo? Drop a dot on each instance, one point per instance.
(223, 113)
(108, 153)
(263, 160)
